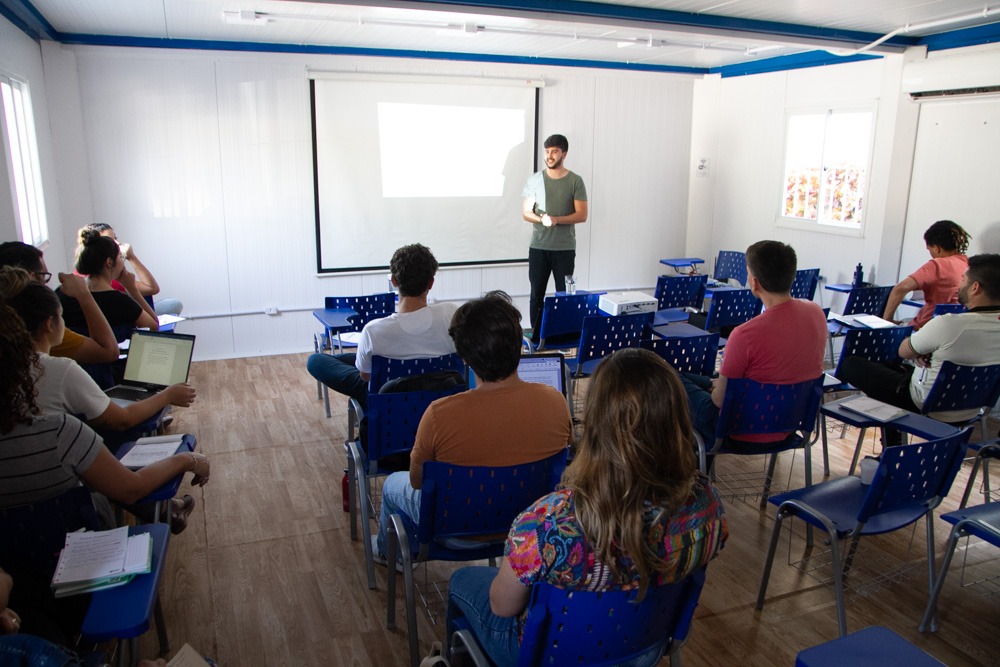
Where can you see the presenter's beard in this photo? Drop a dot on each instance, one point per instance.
(553, 164)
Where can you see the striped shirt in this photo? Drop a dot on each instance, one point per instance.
(43, 459)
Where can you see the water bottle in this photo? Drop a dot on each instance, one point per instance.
(346, 493)
(570, 285)
(859, 277)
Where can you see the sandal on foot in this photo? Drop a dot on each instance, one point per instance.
(179, 516)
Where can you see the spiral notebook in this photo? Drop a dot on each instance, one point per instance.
(95, 560)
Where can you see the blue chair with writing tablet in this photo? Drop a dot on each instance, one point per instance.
(804, 285)
(562, 320)
(731, 264)
(678, 296)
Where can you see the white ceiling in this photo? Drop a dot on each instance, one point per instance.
(642, 33)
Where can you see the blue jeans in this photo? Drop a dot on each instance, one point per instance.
(704, 414)
(339, 373)
(28, 650)
(469, 597)
(398, 497)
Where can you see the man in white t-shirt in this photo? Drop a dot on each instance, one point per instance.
(416, 330)
(970, 339)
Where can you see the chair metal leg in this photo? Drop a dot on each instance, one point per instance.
(353, 465)
(772, 460)
(986, 480)
(363, 496)
(807, 456)
(852, 550)
(161, 628)
(929, 520)
(826, 447)
(838, 583)
(857, 450)
(929, 619)
(765, 577)
(399, 539)
(326, 400)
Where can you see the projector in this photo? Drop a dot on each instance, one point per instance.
(626, 303)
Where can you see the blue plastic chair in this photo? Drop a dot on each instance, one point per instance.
(880, 345)
(675, 294)
(754, 408)
(985, 451)
(874, 645)
(385, 369)
(392, 429)
(369, 307)
(33, 536)
(804, 285)
(562, 320)
(601, 336)
(695, 354)
(949, 309)
(731, 308)
(981, 521)
(860, 301)
(731, 264)
(463, 502)
(565, 627)
(910, 483)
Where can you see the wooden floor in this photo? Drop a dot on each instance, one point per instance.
(266, 573)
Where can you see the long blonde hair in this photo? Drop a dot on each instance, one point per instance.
(637, 447)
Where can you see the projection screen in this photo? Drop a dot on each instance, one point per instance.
(415, 161)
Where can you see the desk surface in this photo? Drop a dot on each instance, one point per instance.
(124, 612)
(912, 423)
(168, 490)
(681, 262)
(336, 319)
(845, 288)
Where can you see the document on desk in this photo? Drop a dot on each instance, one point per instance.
(877, 410)
(101, 559)
(873, 322)
(142, 454)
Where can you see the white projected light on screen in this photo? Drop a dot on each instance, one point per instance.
(431, 150)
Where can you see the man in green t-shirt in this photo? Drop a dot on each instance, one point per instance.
(554, 200)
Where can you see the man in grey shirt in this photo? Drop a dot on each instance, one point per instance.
(554, 200)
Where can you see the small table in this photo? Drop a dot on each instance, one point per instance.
(335, 320)
(124, 612)
(678, 264)
(168, 491)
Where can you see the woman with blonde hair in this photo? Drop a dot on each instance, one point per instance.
(632, 510)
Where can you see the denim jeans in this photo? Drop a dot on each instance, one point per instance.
(704, 414)
(28, 650)
(469, 597)
(339, 373)
(398, 497)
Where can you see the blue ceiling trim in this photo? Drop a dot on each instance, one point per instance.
(213, 45)
(666, 18)
(24, 15)
(983, 34)
(795, 61)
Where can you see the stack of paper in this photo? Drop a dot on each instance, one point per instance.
(877, 410)
(92, 561)
(150, 450)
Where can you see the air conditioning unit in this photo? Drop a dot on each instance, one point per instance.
(967, 74)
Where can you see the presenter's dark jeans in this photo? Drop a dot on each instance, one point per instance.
(542, 263)
(339, 373)
(883, 381)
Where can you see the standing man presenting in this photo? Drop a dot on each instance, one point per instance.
(554, 200)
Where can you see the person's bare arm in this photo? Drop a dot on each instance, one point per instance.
(528, 211)
(578, 215)
(101, 347)
(148, 317)
(719, 391)
(108, 476)
(118, 418)
(508, 596)
(896, 296)
(144, 279)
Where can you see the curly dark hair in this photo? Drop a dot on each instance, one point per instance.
(487, 335)
(413, 266)
(18, 360)
(947, 235)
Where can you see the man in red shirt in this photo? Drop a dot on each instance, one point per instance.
(785, 344)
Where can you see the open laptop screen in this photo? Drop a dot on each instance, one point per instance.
(156, 358)
(544, 369)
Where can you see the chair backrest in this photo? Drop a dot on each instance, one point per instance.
(751, 407)
(604, 334)
(949, 309)
(959, 387)
(914, 475)
(368, 308)
(731, 264)
(867, 301)
(873, 344)
(804, 285)
(385, 369)
(565, 627)
(680, 291)
(562, 319)
(731, 308)
(459, 502)
(694, 354)
(33, 535)
(392, 420)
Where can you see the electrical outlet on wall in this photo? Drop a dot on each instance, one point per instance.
(271, 310)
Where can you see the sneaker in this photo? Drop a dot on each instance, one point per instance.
(379, 558)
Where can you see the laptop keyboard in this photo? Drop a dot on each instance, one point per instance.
(128, 394)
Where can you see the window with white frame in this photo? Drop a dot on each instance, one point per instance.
(22, 160)
(827, 158)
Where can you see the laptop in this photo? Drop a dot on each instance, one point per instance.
(547, 369)
(155, 361)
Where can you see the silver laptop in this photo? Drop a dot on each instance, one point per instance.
(155, 361)
(547, 369)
